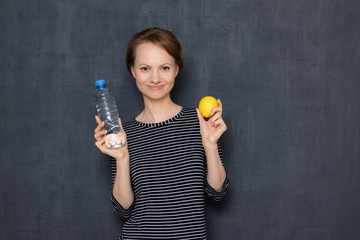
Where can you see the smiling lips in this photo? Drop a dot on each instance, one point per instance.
(158, 87)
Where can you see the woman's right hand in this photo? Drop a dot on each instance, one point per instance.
(118, 153)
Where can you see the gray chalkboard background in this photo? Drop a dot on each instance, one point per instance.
(287, 71)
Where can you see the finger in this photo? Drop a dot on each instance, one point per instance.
(200, 117)
(219, 102)
(99, 127)
(101, 141)
(99, 134)
(220, 123)
(97, 119)
(217, 123)
(214, 118)
(101, 147)
(215, 110)
(211, 123)
(98, 145)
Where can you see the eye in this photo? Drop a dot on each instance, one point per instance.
(166, 68)
(144, 69)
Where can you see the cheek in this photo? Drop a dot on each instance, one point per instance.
(140, 78)
(139, 84)
(170, 78)
(171, 82)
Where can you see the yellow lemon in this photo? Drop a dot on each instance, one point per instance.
(206, 104)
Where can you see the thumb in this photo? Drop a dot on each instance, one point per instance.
(200, 117)
(121, 126)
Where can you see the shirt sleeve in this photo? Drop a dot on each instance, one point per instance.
(125, 213)
(213, 194)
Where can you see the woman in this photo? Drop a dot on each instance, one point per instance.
(172, 156)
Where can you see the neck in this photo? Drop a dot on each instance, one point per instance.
(158, 110)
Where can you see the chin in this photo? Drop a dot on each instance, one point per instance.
(156, 96)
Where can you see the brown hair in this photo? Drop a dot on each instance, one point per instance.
(158, 36)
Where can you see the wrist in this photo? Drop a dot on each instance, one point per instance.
(123, 159)
(208, 146)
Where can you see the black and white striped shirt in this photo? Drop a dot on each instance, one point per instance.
(168, 176)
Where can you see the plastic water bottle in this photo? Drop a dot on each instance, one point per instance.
(107, 111)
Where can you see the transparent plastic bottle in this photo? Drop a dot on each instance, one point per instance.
(107, 111)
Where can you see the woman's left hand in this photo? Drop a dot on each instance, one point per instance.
(212, 129)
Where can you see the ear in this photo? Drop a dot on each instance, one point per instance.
(133, 72)
(177, 70)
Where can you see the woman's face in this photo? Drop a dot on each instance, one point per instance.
(154, 70)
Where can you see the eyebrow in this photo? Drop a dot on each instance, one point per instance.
(160, 65)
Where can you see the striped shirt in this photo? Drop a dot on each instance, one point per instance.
(168, 176)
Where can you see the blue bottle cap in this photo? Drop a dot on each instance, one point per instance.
(100, 84)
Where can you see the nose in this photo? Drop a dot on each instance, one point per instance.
(155, 77)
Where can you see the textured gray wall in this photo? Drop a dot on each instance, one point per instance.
(288, 75)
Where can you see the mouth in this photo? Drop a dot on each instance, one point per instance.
(158, 87)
